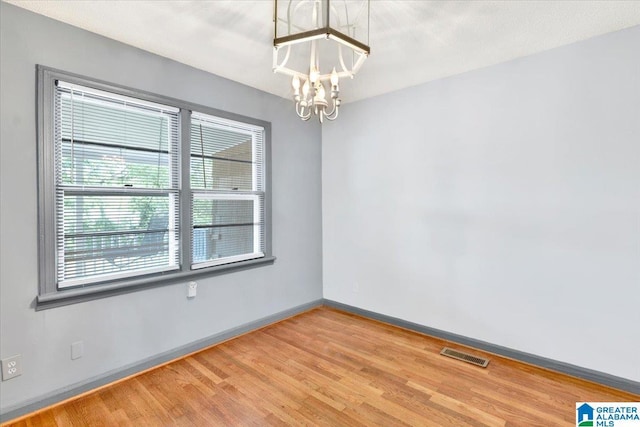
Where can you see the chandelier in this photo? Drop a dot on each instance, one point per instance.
(307, 32)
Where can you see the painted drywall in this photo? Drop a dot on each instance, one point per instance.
(502, 204)
(122, 330)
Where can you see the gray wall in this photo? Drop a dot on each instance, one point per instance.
(123, 330)
(502, 204)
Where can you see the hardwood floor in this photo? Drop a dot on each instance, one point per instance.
(326, 367)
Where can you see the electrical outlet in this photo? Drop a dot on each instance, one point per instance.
(356, 287)
(192, 287)
(11, 367)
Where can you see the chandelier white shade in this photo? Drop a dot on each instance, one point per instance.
(318, 42)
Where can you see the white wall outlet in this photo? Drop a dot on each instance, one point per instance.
(192, 288)
(356, 287)
(11, 367)
(77, 350)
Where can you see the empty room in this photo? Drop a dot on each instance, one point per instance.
(319, 212)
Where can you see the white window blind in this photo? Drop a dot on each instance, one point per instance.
(116, 184)
(228, 191)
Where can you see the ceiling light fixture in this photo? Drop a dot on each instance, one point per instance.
(336, 31)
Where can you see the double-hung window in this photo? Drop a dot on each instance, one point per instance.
(116, 186)
(136, 189)
(227, 182)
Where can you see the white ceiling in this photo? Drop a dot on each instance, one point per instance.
(412, 42)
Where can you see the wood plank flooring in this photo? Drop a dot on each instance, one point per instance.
(330, 368)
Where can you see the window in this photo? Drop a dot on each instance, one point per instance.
(116, 175)
(136, 189)
(227, 179)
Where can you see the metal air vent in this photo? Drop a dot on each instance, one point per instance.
(474, 360)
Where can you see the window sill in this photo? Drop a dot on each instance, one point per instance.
(78, 295)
